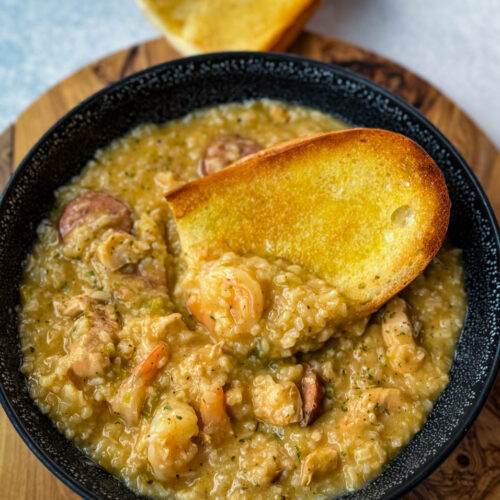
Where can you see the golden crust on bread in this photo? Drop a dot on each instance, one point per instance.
(198, 26)
(364, 209)
(288, 35)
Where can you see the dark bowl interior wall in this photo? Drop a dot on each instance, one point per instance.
(174, 89)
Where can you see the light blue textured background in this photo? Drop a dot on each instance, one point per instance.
(455, 44)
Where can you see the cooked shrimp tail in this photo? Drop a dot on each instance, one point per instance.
(170, 446)
(130, 397)
(215, 419)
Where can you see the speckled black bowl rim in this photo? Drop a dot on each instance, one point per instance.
(482, 394)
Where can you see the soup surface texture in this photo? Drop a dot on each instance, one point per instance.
(227, 378)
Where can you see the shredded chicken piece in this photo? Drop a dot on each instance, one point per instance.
(318, 463)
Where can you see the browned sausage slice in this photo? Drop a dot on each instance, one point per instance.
(312, 395)
(226, 150)
(90, 205)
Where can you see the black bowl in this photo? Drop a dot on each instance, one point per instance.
(174, 89)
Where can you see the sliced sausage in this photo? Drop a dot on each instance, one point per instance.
(312, 395)
(90, 205)
(226, 150)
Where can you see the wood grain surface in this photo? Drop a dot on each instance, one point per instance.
(473, 469)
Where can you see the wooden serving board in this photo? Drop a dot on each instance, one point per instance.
(473, 469)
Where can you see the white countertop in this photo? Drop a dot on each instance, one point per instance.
(453, 44)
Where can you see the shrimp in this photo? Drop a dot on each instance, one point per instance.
(277, 403)
(130, 397)
(213, 413)
(170, 445)
(398, 334)
(318, 463)
(229, 301)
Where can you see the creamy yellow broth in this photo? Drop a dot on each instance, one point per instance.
(209, 397)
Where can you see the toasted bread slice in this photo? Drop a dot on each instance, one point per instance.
(198, 26)
(364, 209)
(288, 35)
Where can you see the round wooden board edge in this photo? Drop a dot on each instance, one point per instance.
(476, 147)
